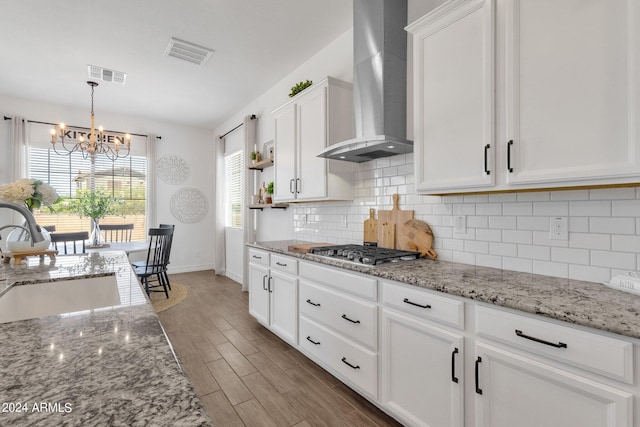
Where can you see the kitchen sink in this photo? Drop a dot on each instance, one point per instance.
(31, 301)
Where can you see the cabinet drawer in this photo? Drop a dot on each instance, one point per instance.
(258, 257)
(357, 319)
(284, 264)
(362, 286)
(424, 304)
(357, 365)
(591, 351)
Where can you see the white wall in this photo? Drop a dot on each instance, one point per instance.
(193, 249)
(335, 60)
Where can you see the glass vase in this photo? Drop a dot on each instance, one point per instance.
(96, 238)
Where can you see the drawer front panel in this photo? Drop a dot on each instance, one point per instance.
(424, 304)
(357, 319)
(284, 264)
(258, 257)
(591, 351)
(354, 363)
(348, 282)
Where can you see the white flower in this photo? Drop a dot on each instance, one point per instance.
(32, 193)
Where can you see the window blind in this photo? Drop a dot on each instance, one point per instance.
(234, 184)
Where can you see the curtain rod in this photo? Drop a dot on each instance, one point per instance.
(252, 117)
(80, 127)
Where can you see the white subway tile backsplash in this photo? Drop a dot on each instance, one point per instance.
(590, 241)
(518, 264)
(533, 223)
(504, 230)
(591, 208)
(590, 274)
(626, 208)
(613, 259)
(570, 256)
(612, 225)
(550, 209)
(517, 236)
(503, 222)
(534, 252)
(547, 268)
(625, 243)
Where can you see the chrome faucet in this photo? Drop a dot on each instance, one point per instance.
(33, 228)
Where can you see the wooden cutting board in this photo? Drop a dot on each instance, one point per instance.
(416, 235)
(394, 216)
(304, 248)
(388, 237)
(371, 228)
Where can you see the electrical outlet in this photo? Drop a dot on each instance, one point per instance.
(343, 221)
(460, 224)
(559, 228)
(305, 219)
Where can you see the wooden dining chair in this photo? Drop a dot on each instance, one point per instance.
(154, 269)
(117, 232)
(76, 239)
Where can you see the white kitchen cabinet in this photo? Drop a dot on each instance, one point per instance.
(273, 293)
(319, 116)
(422, 370)
(566, 107)
(514, 390)
(453, 97)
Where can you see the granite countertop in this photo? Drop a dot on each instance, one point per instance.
(583, 303)
(109, 366)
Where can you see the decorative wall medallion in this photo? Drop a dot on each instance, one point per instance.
(173, 169)
(189, 205)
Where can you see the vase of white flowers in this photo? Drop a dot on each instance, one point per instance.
(33, 194)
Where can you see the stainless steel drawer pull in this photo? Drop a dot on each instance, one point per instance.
(312, 341)
(344, 316)
(280, 264)
(552, 344)
(313, 303)
(257, 257)
(344, 360)
(406, 300)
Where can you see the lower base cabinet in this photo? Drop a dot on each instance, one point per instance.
(422, 372)
(513, 390)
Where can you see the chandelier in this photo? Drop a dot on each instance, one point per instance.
(66, 140)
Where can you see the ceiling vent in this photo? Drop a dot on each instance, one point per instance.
(106, 75)
(188, 51)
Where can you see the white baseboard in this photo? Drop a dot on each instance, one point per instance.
(234, 277)
(189, 268)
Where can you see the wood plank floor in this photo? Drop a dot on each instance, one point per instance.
(247, 376)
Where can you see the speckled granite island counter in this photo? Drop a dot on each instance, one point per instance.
(583, 303)
(104, 367)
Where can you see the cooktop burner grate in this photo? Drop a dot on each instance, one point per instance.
(368, 255)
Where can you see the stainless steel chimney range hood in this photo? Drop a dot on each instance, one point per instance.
(379, 83)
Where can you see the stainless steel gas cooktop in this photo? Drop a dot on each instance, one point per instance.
(364, 254)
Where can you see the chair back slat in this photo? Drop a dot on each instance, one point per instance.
(76, 238)
(159, 248)
(117, 232)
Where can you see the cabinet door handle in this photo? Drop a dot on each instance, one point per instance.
(486, 159)
(280, 264)
(269, 284)
(478, 389)
(509, 168)
(541, 341)
(453, 365)
(344, 316)
(406, 300)
(264, 286)
(344, 360)
(291, 186)
(313, 303)
(298, 187)
(312, 341)
(257, 257)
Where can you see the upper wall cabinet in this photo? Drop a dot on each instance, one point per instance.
(314, 119)
(567, 96)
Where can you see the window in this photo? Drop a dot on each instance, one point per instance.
(234, 184)
(124, 178)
